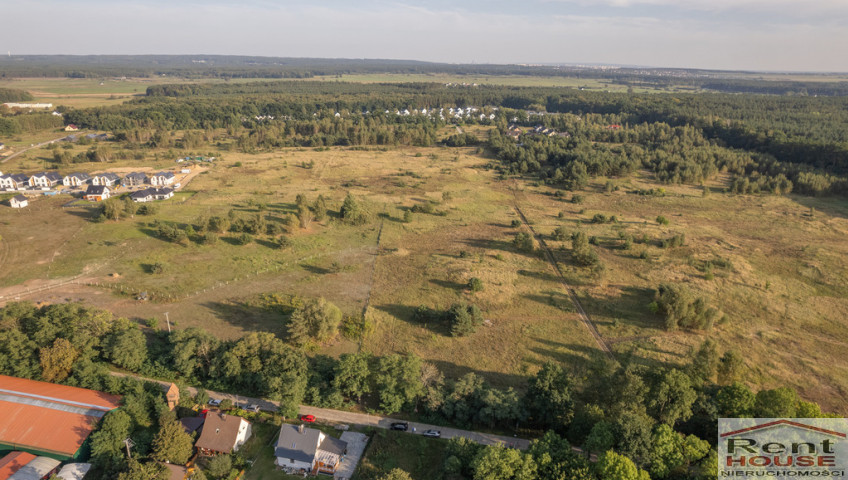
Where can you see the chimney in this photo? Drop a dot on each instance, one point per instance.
(301, 428)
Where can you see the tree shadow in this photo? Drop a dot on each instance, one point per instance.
(545, 276)
(315, 269)
(447, 284)
(267, 243)
(406, 313)
(495, 379)
(250, 317)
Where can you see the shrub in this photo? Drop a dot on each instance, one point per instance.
(559, 234)
(316, 320)
(244, 239)
(523, 242)
(662, 220)
(157, 268)
(577, 199)
(682, 308)
(675, 241)
(475, 284)
(515, 223)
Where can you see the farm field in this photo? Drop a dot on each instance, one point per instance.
(783, 286)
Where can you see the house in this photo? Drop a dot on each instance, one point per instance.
(14, 181)
(305, 449)
(13, 462)
(192, 424)
(162, 178)
(97, 193)
(162, 193)
(49, 419)
(74, 471)
(71, 128)
(142, 196)
(135, 179)
(18, 201)
(222, 433)
(45, 179)
(36, 469)
(76, 179)
(108, 179)
(28, 105)
(172, 396)
(2, 146)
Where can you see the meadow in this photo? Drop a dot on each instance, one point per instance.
(783, 284)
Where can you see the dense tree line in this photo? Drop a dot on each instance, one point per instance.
(658, 419)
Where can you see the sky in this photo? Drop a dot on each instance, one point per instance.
(773, 35)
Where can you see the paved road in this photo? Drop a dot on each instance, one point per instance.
(30, 148)
(325, 415)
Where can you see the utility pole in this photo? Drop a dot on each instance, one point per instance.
(168, 321)
(129, 443)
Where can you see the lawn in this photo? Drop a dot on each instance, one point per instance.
(419, 456)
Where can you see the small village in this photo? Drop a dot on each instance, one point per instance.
(95, 187)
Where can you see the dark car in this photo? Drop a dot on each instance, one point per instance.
(432, 433)
(403, 426)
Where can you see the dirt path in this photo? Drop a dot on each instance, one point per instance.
(30, 148)
(602, 344)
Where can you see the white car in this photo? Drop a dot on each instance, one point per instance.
(214, 402)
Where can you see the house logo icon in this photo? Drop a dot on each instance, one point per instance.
(782, 447)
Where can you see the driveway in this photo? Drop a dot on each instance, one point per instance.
(356, 443)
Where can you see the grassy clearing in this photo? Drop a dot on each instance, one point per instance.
(421, 457)
(784, 291)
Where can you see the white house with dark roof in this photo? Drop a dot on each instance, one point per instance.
(45, 179)
(14, 181)
(108, 179)
(97, 193)
(76, 179)
(300, 448)
(18, 201)
(162, 179)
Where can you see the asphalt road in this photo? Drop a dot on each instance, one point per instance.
(328, 416)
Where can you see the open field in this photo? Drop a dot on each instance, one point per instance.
(419, 456)
(783, 287)
(785, 291)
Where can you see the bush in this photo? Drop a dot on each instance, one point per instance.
(475, 284)
(515, 223)
(244, 239)
(210, 238)
(316, 320)
(578, 199)
(559, 234)
(682, 308)
(675, 241)
(662, 220)
(523, 242)
(157, 268)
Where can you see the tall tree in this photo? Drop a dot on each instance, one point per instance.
(57, 360)
(549, 397)
(172, 444)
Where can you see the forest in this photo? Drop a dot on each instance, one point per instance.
(769, 144)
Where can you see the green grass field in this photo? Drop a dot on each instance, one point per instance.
(784, 292)
(421, 457)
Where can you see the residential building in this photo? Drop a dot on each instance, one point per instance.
(18, 201)
(76, 179)
(13, 462)
(37, 469)
(150, 194)
(162, 178)
(222, 433)
(108, 179)
(28, 105)
(305, 449)
(135, 179)
(45, 179)
(71, 128)
(14, 181)
(48, 419)
(97, 193)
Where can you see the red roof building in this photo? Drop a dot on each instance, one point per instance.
(49, 419)
(13, 462)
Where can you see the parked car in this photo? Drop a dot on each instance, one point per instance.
(214, 402)
(403, 426)
(432, 433)
(252, 407)
(307, 418)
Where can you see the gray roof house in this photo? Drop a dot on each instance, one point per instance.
(76, 179)
(135, 179)
(108, 179)
(305, 449)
